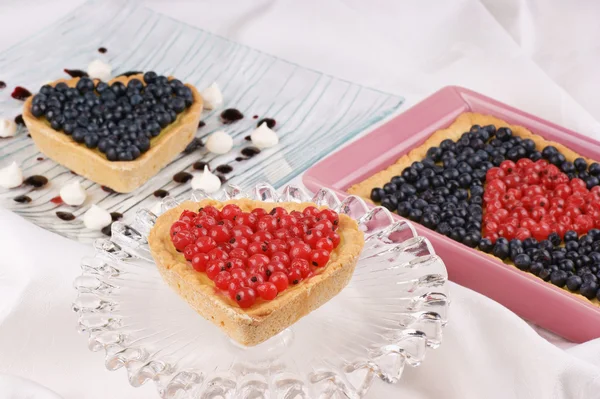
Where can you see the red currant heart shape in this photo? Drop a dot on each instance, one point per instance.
(256, 255)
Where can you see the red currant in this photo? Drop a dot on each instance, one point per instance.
(187, 215)
(210, 211)
(245, 297)
(280, 280)
(259, 212)
(280, 256)
(190, 251)
(267, 223)
(179, 226)
(235, 263)
(242, 230)
(238, 253)
(257, 247)
(182, 239)
(255, 279)
(247, 219)
(239, 274)
(335, 239)
(199, 262)
(205, 244)
(267, 291)
(261, 236)
(319, 257)
(294, 276)
(239, 242)
(258, 260)
(300, 250)
(214, 267)
(234, 285)
(222, 280)
(230, 212)
(217, 254)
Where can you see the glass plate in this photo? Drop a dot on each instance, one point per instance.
(391, 312)
(315, 113)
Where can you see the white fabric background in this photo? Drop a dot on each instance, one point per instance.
(539, 55)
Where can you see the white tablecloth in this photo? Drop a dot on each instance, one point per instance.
(539, 55)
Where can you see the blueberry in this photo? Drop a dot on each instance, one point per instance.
(571, 235)
(85, 85)
(389, 188)
(409, 174)
(594, 169)
(419, 204)
(423, 184)
(588, 289)
(497, 160)
(427, 173)
(544, 274)
(580, 164)
(377, 194)
(79, 134)
(415, 215)
(545, 244)
(486, 245)
(503, 134)
(566, 264)
(178, 104)
(591, 181)
(471, 239)
(522, 261)
(404, 208)
(549, 151)
(567, 167)
(447, 144)
(430, 220)
(516, 153)
(530, 243)
(390, 202)
(557, 159)
(398, 180)
(536, 268)
(438, 181)
(456, 221)
(458, 234)
(150, 77)
(513, 253)
(91, 140)
(574, 282)
(501, 250)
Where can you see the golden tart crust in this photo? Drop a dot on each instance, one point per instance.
(265, 318)
(122, 177)
(462, 124)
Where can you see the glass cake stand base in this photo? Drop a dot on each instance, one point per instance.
(391, 312)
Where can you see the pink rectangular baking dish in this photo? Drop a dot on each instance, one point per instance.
(542, 303)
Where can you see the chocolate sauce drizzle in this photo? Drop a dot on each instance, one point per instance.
(40, 158)
(36, 181)
(201, 124)
(67, 216)
(269, 121)
(19, 120)
(22, 199)
(108, 189)
(199, 165)
(224, 168)
(116, 216)
(2, 85)
(250, 151)
(195, 144)
(182, 177)
(107, 231)
(248, 138)
(20, 93)
(76, 73)
(130, 73)
(231, 115)
(102, 50)
(161, 193)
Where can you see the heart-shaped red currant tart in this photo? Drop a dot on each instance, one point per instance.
(506, 191)
(255, 268)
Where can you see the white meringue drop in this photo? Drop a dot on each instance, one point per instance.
(212, 96)
(264, 137)
(11, 176)
(73, 194)
(99, 69)
(206, 181)
(96, 218)
(219, 142)
(8, 128)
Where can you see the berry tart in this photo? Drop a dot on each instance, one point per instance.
(499, 188)
(254, 268)
(117, 134)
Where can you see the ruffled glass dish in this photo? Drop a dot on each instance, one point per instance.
(392, 311)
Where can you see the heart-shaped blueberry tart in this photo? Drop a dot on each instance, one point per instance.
(118, 133)
(505, 191)
(255, 268)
